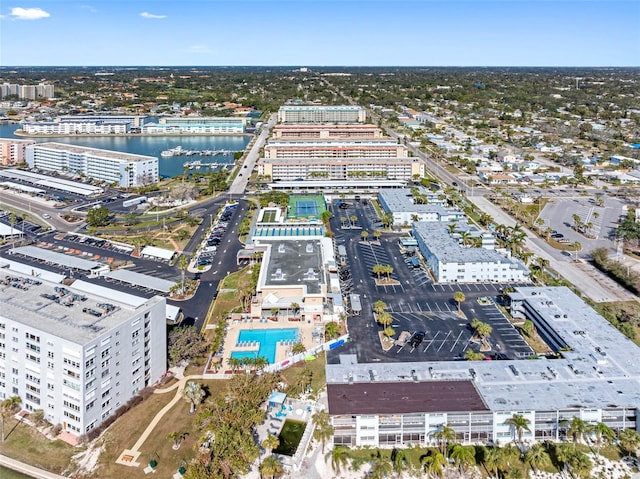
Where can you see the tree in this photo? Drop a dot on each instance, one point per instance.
(519, 424)
(537, 457)
(379, 306)
(434, 463)
(471, 355)
(576, 247)
(270, 443)
(332, 330)
(364, 235)
(604, 434)
(8, 408)
(177, 437)
(385, 319)
(194, 394)
(459, 298)
(399, 461)
(377, 234)
(353, 219)
(183, 264)
(339, 456)
(298, 348)
(185, 344)
(381, 467)
(629, 440)
(576, 428)
(463, 456)
(444, 436)
(323, 430)
(98, 217)
(271, 467)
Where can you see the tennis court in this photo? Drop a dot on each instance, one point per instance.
(306, 206)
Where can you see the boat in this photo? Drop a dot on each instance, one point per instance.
(177, 151)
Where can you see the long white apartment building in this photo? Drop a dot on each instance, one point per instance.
(76, 352)
(124, 169)
(594, 378)
(196, 125)
(451, 261)
(292, 169)
(27, 92)
(77, 127)
(326, 132)
(377, 148)
(322, 114)
(13, 151)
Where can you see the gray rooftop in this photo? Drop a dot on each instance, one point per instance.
(60, 259)
(338, 161)
(139, 279)
(68, 312)
(447, 248)
(401, 200)
(583, 378)
(292, 262)
(85, 150)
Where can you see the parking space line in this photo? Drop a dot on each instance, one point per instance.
(456, 341)
(445, 338)
(431, 341)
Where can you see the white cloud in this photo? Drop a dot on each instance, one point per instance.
(88, 8)
(151, 15)
(19, 13)
(198, 48)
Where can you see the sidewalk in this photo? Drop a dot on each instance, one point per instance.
(590, 281)
(27, 469)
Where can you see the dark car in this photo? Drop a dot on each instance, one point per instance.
(417, 338)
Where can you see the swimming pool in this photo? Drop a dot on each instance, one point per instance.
(266, 340)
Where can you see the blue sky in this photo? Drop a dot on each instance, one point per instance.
(318, 32)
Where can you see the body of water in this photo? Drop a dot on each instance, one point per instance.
(153, 146)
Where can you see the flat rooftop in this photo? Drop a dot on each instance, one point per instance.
(403, 398)
(74, 314)
(582, 378)
(294, 263)
(401, 200)
(85, 150)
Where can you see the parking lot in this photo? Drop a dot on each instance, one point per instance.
(416, 304)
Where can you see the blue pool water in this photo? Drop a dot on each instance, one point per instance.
(266, 339)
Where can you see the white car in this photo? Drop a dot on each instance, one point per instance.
(46, 216)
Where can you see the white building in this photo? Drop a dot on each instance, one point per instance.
(77, 352)
(321, 168)
(196, 125)
(124, 169)
(376, 148)
(594, 378)
(405, 209)
(321, 114)
(450, 261)
(77, 127)
(27, 92)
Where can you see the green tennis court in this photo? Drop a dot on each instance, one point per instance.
(306, 206)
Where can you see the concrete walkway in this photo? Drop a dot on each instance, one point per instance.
(129, 457)
(590, 281)
(27, 469)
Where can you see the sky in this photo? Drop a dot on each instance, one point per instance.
(320, 32)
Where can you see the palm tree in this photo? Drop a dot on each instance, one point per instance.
(271, 467)
(298, 348)
(463, 456)
(399, 460)
(324, 429)
(364, 235)
(343, 220)
(434, 463)
(332, 330)
(459, 298)
(378, 269)
(577, 246)
(537, 457)
(8, 408)
(339, 456)
(381, 467)
(629, 440)
(519, 424)
(387, 219)
(444, 436)
(493, 460)
(576, 428)
(270, 443)
(194, 394)
(183, 264)
(604, 434)
(377, 234)
(353, 219)
(296, 308)
(385, 319)
(379, 306)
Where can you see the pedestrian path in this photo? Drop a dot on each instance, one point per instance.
(129, 457)
(23, 468)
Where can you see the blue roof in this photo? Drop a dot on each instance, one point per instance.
(277, 397)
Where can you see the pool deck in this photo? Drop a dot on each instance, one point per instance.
(305, 328)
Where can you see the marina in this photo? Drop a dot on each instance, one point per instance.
(179, 151)
(197, 164)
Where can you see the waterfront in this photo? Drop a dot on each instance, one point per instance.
(152, 146)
